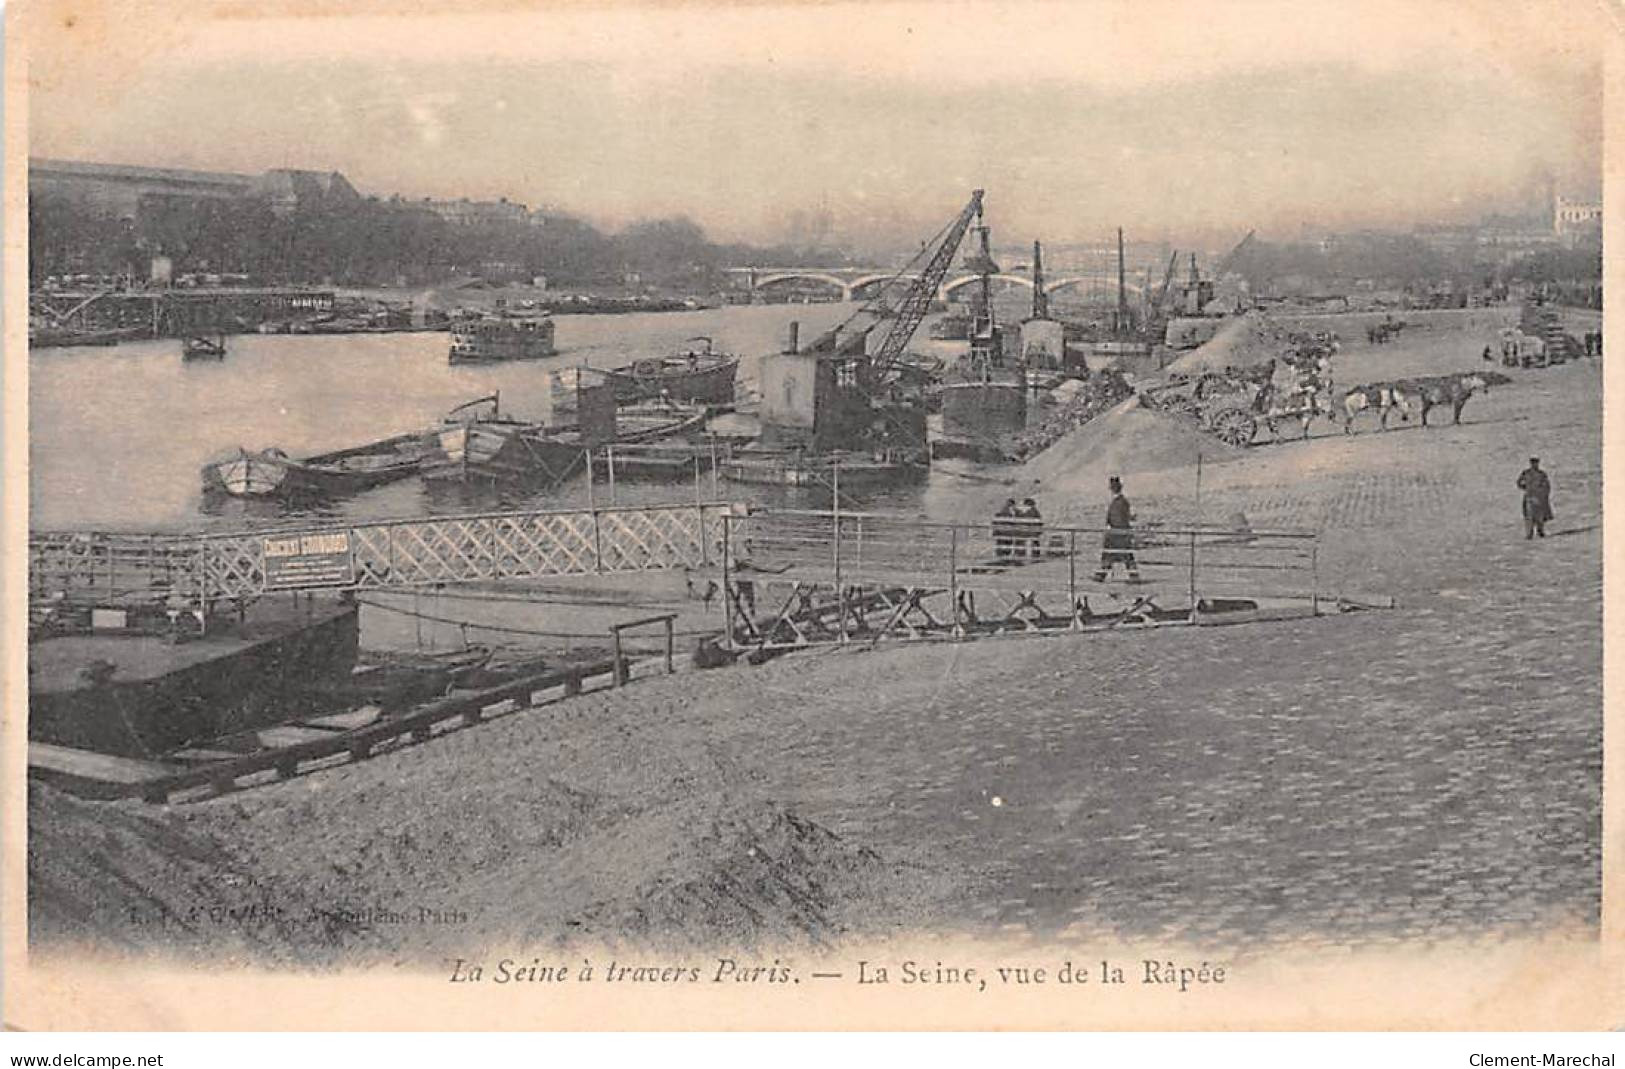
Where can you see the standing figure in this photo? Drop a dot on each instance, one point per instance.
(1537, 499)
(1118, 546)
(1003, 529)
(1032, 527)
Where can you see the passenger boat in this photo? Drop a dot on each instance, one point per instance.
(272, 473)
(202, 347)
(495, 339)
(700, 376)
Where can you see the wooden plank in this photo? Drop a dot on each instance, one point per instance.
(289, 735)
(349, 721)
(93, 766)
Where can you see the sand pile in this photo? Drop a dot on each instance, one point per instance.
(1128, 438)
(126, 877)
(744, 876)
(1243, 342)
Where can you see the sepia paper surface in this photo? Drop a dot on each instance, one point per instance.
(1183, 123)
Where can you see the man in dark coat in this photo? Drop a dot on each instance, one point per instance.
(1537, 499)
(1031, 529)
(1003, 529)
(1118, 546)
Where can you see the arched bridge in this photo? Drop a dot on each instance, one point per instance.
(864, 283)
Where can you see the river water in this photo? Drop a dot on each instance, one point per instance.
(118, 435)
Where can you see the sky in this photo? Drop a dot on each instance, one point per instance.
(1167, 118)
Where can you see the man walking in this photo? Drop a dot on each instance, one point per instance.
(1537, 499)
(1118, 546)
(1031, 528)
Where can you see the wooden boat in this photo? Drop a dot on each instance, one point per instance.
(496, 339)
(272, 473)
(698, 376)
(481, 446)
(856, 470)
(202, 347)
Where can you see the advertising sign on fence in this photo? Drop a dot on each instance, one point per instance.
(293, 562)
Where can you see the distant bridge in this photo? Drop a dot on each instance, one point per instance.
(864, 283)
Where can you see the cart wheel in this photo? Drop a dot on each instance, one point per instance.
(1235, 426)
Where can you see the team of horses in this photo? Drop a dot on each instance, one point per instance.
(1419, 395)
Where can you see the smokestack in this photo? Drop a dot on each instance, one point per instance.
(792, 337)
(1040, 298)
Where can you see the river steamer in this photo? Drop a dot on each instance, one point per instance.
(499, 339)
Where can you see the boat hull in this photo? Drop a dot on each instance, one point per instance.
(487, 453)
(345, 471)
(856, 473)
(159, 696)
(706, 385)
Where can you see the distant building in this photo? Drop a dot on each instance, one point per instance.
(121, 190)
(465, 212)
(286, 190)
(1575, 218)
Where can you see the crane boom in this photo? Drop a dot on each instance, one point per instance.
(916, 301)
(1167, 280)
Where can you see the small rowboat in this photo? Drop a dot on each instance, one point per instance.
(697, 376)
(204, 348)
(272, 473)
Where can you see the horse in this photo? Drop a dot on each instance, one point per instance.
(1453, 390)
(1383, 396)
(1302, 406)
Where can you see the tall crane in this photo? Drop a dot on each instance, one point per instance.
(873, 373)
(910, 309)
(1230, 258)
(1167, 280)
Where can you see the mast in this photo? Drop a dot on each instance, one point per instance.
(1040, 298)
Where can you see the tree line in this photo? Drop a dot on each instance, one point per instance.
(374, 242)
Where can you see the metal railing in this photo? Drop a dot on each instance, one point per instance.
(389, 553)
(839, 568)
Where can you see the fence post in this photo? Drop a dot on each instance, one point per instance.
(1193, 577)
(840, 587)
(620, 665)
(727, 581)
(671, 641)
(597, 543)
(953, 577)
(1314, 577)
(1072, 579)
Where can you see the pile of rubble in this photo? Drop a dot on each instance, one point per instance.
(1092, 396)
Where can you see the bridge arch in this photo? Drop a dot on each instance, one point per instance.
(805, 276)
(865, 285)
(1103, 285)
(954, 285)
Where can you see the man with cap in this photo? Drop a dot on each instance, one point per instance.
(1537, 499)
(1118, 547)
